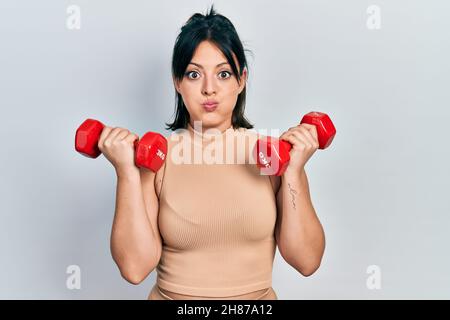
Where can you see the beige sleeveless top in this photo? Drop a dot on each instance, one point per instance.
(217, 215)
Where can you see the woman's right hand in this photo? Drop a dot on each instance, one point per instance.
(117, 145)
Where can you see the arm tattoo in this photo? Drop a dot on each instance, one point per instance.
(293, 193)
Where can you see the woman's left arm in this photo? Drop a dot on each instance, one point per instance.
(299, 233)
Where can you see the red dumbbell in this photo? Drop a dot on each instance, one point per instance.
(272, 155)
(150, 150)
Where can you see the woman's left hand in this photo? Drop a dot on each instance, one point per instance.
(304, 141)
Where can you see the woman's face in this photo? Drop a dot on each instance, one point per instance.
(209, 77)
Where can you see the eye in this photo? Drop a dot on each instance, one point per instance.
(193, 75)
(189, 73)
(225, 72)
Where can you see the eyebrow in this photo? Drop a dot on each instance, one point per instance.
(200, 66)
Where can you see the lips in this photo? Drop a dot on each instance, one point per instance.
(210, 106)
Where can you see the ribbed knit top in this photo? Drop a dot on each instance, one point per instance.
(216, 220)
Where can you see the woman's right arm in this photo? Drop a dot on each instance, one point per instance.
(135, 239)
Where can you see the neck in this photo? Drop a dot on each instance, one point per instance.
(199, 127)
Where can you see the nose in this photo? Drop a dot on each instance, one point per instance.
(209, 86)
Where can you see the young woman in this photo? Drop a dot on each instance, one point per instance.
(211, 229)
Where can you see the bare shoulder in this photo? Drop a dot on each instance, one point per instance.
(276, 182)
(253, 135)
(159, 179)
(152, 181)
(159, 175)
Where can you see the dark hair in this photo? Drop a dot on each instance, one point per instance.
(219, 30)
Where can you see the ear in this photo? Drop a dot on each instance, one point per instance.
(243, 80)
(176, 85)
